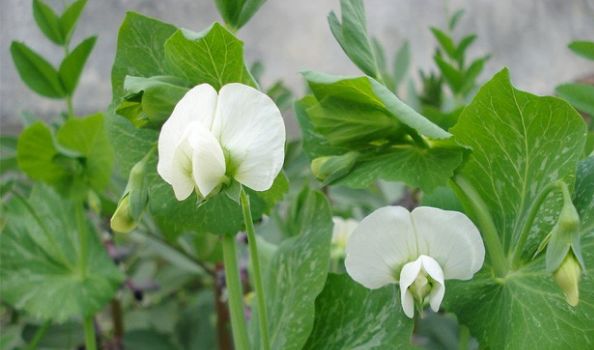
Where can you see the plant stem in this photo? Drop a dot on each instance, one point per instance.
(69, 106)
(83, 233)
(255, 267)
(90, 341)
(234, 293)
(485, 222)
(38, 335)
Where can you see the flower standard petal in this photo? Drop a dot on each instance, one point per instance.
(451, 239)
(197, 105)
(251, 130)
(208, 160)
(382, 243)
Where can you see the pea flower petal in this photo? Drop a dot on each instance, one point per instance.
(210, 137)
(418, 249)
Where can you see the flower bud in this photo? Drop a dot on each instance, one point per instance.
(332, 168)
(567, 278)
(122, 221)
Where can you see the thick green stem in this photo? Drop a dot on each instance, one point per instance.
(90, 340)
(70, 106)
(256, 272)
(234, 293)
(486, 224)
(532, 212)
(39, 335)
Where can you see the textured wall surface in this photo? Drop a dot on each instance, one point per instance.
(528, 36)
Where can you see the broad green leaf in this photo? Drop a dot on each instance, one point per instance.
(48, 22)
(446, 42)
(521, 143)
(73, 64)
(42, 245)
(583, 48)
(581, 96)
(525, 308)
(584, 196)
(350, 316)
(442, 197)
(78, 157)
(38, 74)
(426, 168)
(345, 93)
(213, 56)
(140, 50)
(351, 34)
(87, 136)
(296, 276)
(70, 17)
(401, 63)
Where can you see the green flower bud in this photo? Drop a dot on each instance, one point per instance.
(568, 277)
(332, 168)
(121, 221)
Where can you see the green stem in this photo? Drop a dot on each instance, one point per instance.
(83, 233)
(256, 272)
(38, 335)
(485, 221)
(234, 293)
(70, 106)
(90, 340)
(532, 212)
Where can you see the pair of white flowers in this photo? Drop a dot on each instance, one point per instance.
(419, 250)
(238, 133)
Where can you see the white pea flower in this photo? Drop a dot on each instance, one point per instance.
(418, 249)
(341, 231)
(211, 138)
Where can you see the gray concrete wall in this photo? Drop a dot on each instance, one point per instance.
(528, 36)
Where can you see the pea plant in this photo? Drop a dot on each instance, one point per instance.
(438, 212)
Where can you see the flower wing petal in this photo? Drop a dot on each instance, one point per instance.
(438, 290)
(197, 105)
(451, 239)
(408, 275)
(382, 243)
(250, 128)
(208, 160)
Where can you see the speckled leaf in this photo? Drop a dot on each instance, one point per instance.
(584, 196)
(213, 56)
(44, 269)
(521, 143)
(350, 316)
(296, 276)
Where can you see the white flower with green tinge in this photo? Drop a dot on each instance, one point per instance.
(211, 138)
(419, 250)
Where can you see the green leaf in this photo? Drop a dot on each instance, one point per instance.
(446, 42)
(521, 143)
(451, 74)
(70, 17)
(581, 96)
(213, 56)
(350, 316)
(150, 101)
(58, 336)
(418, 167)
(291, 285)
(351, 34)
(79, 156)
(584, 196)
(350, 95)
(148, 340)
(41, 246)
(583, 48)
(39, 75)
(140, 50)
(455, 19)
(471, 73)
(48, 22)
(73, 64)
(463, 45)
(236, 13)
(401, 63)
